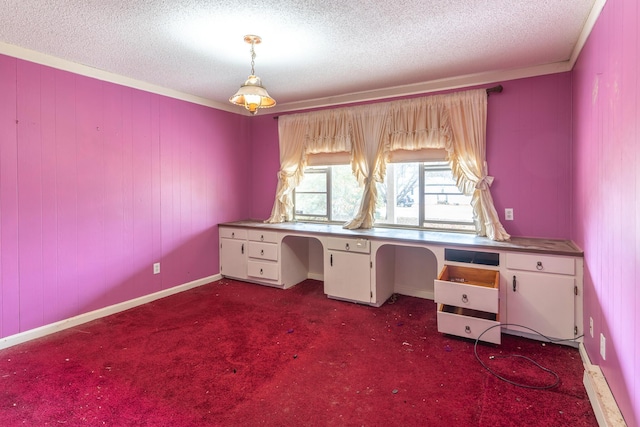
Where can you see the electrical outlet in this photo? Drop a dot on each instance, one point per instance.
(156, 268)
(591, 326)
(603, 347)
(508, 214)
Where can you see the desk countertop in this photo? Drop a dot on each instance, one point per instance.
(440, 238)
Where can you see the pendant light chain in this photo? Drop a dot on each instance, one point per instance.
(253, 58)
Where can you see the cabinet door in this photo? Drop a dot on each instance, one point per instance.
(233, 258)
(348, 276)
(543, 302)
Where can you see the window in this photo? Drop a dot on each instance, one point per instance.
(414, 194)
(445, 206)
(327, 193)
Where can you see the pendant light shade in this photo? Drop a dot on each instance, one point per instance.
(252, 95)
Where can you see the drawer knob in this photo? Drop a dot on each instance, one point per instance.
(539, 266)
(346, 246)
(261, 272)
(262, 237)
(261, 251)
(233, 235)
(467, 329)
(465, 299)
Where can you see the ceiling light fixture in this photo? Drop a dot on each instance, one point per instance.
(252, 95)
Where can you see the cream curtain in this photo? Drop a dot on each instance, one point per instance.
(453, 122)
(418, 124)
(291, 130)
(300, 135)
(468, 121)
(370, 129)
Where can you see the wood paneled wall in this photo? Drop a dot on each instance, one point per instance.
(98, 182)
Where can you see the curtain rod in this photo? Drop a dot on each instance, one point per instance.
(495, 89)
(490, 90)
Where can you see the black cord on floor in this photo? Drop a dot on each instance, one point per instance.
(492, 372)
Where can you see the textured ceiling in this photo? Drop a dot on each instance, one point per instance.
(313, 52)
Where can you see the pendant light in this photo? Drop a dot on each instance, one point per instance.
(252, 95)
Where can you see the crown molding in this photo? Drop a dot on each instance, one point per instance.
(85, 70)
(449, 83)
(596, 10)
(427, 87)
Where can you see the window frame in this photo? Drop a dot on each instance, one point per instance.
(440, 166)
(327, 171)
(458, 226)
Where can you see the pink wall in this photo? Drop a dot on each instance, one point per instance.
(528, 152)
(265, 163)
(98, 182)
(606, 205)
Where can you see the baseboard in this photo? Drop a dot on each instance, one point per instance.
(102, 312)
(604, 404)
(413, 292)
(315, 276)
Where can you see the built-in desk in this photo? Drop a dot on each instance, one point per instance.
(540, 280)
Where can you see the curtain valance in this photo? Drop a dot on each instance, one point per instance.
(327, 131)
(419, 123)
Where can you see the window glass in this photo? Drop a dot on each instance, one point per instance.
(311, 199)
(413, 194)
(398, 195)
(444, 206)
(315, 180)
(311, 204)
(345, 193)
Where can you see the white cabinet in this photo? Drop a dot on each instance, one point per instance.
(262, 263)
(233, 252)
(347, 269)
(468, 302)
(542, 293)
(539, 282)
(262, 256)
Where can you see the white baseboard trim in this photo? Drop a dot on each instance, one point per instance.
(315, 276)
(51, 328)
(604, 404)
(413, 292)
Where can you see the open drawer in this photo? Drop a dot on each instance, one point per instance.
(468, 323)
(471, 288)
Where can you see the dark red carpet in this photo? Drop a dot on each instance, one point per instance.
(238, 354)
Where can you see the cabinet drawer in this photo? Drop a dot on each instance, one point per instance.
(467, 296)
(263, 236)
(541, 263)
(467, 323)
(465, 287)
(263, 270)
(261, 250)
(348, 245)
(233, 233)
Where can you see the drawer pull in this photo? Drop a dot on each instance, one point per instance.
(346, 246)
(233, 235)
(539, 266)
(242, 249)
(262, 237)
(467, 329)
(465, 299)
(514, 283)
(262, 252)
(261, 272)
(331, 260)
